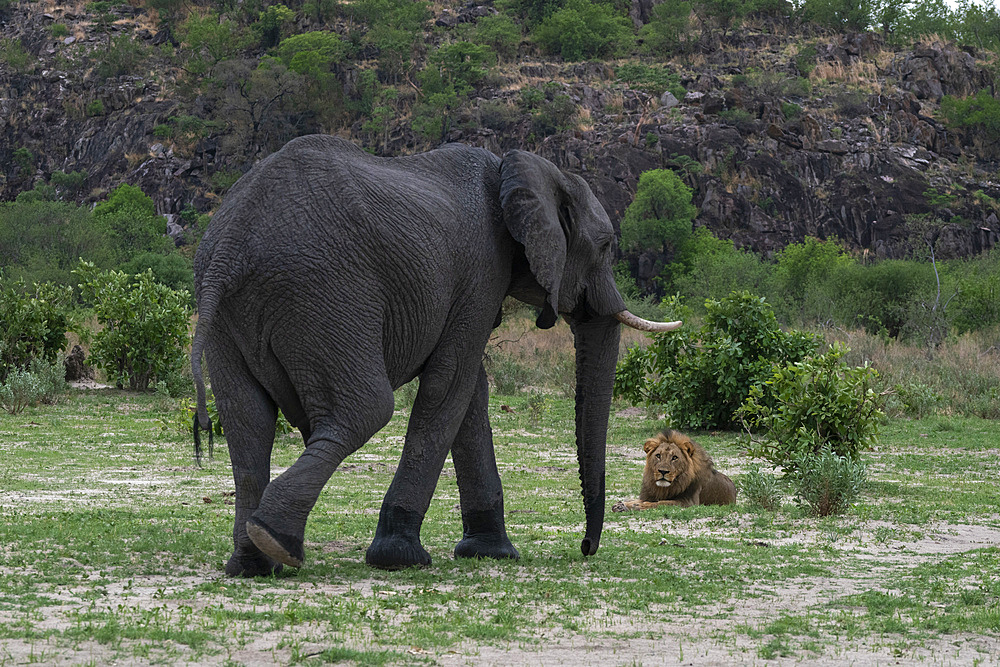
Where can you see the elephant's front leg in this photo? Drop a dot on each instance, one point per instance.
(442, 401)
(483, 532)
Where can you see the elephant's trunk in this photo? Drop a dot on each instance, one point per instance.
(596, 355)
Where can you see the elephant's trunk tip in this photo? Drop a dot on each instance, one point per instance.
(636, 322)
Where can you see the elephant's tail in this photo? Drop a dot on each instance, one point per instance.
(208, 303)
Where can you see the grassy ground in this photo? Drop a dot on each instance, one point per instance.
(112, 545)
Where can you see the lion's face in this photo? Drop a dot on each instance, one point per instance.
(665, 462)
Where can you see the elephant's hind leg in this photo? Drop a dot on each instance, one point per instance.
(483, 532)
(249, 415)
(277, 528)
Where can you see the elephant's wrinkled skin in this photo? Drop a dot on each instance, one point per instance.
(329, 277)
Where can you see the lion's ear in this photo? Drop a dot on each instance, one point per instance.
(686, 445)
(650, 445)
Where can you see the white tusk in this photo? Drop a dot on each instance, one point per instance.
(630, 320)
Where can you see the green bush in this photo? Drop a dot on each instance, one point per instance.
(653, 80)
(130, 219)
(702, 378)
(500, 34)
(661, 215)
(846, 15)
(585, 29)
(125, 56)
(272, 23)
(20, 390)
(14, 56)
(43, 240)
(171, 270)
(33, 323)
(980, 111)
(507, 375)
(827, 483)
(811, 405)
(145, 326)
(760, 490)
(667, 31)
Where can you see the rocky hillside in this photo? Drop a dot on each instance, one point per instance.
(782, 130)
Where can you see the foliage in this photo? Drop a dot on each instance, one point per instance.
(500, 34)
(846, 15)
(312, 53)
(651, 79)
(129, 218)
(209, 39)
(171, 270)
(803, 271)
(145, 326)
(179, 421)
(585, 29)
(980, 112)
(928, 17)
(20, 390)
(272, 23)
(23, 158)
(703, 378)
(808, 406)
(661, 215)
(395, 29)
(451, 73)
(977, 302)
(707, 265)
(551, 109)
(68, 184)
(124, 56)
(95, 108)
(827, 483)
(33, 323)
(12, 54)
(42, 240)
(881, 297)
(760, 490)
(667, 30)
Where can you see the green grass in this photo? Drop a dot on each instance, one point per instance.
(112, 545)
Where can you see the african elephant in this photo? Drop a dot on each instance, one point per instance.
(330, 277)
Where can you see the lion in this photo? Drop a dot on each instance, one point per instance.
(679, 472)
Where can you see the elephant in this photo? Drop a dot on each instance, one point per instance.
(329, 277)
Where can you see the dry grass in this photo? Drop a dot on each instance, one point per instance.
(860, 74)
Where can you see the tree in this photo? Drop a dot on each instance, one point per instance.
(585, 29)
(661, 215)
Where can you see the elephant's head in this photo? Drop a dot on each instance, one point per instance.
(569, 247)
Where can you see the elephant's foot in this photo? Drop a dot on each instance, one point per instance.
(396, 552)
(256, 564)
(484, 536)
(486, 546)
(282, 547)
(397, 540)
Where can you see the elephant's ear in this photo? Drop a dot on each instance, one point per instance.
(531, 192)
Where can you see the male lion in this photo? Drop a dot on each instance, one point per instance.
(679, 472)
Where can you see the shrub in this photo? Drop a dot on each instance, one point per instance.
(667, 30)
(14, 55)
(271, 24)
(981, 112)
(20, 390)
(51, 377)
(126, 55)
(847, 15)
(95, 108)
(661, 215)
(812, 405)
(703, 378)
(145, 326)
(43, 240)
(760, 489)
(129, 217)
(33, 323)
(585, 29)
(827, 483)
(653, 80)
(500, 34)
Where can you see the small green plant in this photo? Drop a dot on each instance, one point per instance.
(145, 326)
(653, 80)
(538, 405)
(508, 376)
(937, 198)
(760, 490)
(23, 158)
(95, 108)
(812, 405)
(58, 30)
(827, 483)
(21, 390)
(51, 376)
(980, 112)
(791, 110)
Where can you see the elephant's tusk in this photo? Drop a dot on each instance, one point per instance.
(630, 320)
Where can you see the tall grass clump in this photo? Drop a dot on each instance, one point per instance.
(761, 490)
